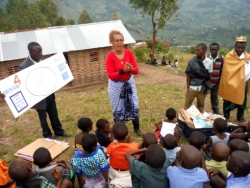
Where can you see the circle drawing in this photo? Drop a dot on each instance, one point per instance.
(41, 81)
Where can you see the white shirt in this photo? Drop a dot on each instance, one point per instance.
(208, 63)
(213, 59)
(32, 60)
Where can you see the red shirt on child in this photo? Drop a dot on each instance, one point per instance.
(116, 150)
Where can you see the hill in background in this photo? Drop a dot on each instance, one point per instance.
(196, 21)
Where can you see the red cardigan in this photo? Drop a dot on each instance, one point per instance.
(114, 65)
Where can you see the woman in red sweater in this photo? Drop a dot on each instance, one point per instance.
(120, 65)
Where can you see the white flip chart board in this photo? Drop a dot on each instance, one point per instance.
(28, 87)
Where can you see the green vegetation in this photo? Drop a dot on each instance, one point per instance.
(19, 14)
(84, 17)
(142, 54)
(192, 49)
(159, 11)
(196, 21)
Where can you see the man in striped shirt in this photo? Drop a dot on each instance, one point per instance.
(215, 76)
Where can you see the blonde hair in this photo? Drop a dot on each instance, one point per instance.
(112, 33)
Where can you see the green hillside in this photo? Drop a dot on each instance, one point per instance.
(196, 21)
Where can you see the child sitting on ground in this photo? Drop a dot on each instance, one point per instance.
(168, 126)
(187, 172)
(42, 159)
(103, 132)
(119, 166)
(20, 171)
(241, 134)
(219, 155)
(148, 139)
(170, 147)
(238, 144)
(90, 162)
(239, 165)
(219, 126)
(5, 180)
(153, 173)
(85, 125)
(198, 139)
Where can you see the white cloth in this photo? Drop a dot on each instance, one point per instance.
(167, 128)
(247, 67)
(208, 63)
(120, 178)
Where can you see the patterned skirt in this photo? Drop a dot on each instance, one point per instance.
(124, 100)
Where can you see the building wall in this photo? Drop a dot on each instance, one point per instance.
(88, 66)
(8, 68)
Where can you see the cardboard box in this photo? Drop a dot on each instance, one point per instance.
(55, 147)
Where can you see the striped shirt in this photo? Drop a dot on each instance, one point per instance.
(217, 68)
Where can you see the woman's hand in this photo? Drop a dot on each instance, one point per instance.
(127, 67)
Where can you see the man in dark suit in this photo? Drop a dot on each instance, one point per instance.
(47, 105)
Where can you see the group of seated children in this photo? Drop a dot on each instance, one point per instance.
(110, 159)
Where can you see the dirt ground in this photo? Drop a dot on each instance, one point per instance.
(151, 74)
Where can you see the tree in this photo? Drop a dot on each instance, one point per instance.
(115, 16)
(70, 22)
(61, 21)
(18, 14)
(49, 9)
(2, 20)
(160, 12)
(84, 17)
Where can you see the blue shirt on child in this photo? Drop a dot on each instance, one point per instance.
(188, 178)
(91, 164)
(233, 182)
(171, 153)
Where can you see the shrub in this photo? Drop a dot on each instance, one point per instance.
(192, 49)
(170, 56)
(223, 51)
(141, 54)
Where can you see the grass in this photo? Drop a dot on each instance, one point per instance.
(154, 99)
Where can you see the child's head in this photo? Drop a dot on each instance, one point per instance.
(103, 125)
(155, 156)
(120, 131)
(148, 139)
(239, 163)
(85, 124)
(20, 169)
(197, 139)
(89, 142)
(171, 113)
(220, 151)
(189, 157)
(169, 141)
(220, 125)
(238, 144)
(42, 157)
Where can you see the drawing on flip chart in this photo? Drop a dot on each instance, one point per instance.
(41, 81)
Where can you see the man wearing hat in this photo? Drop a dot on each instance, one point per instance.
(234, 79)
